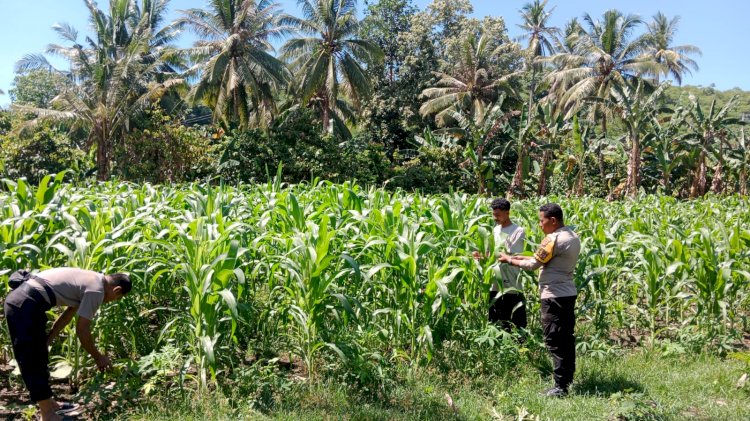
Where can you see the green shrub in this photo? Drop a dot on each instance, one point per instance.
(164, 151)
(434, 170)
(46, 151)
(297, 143)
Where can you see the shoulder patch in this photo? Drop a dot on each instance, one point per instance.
(545, 250)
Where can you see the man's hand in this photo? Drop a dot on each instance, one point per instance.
(103, 362)
(477, 255)
(504, 258)
(83, 329)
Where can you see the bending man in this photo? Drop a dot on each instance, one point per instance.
(557, 256)
(82, 291)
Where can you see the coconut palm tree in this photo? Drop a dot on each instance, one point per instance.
(541, 37)
(471, 88)
(114, 74)
(604, 56)
(674, 60)
(564, 57)
(330, 59)
(237, 73)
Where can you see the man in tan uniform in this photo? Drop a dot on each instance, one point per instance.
(557, 257)
(82, 291)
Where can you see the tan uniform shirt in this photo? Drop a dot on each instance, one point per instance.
(74, 288)
(557, 256)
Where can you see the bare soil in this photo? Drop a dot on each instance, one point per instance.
(15, 403)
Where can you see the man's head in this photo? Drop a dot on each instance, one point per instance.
(501, 211)
(550, 218)
(116, 286)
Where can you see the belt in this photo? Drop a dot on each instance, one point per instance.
(51, 299)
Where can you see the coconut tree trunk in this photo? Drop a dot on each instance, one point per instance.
(599, 154)
(634, 166)
(543, 173)
(102, 167)
(516, 186)
(479, 172)
(326, 115)
(743, 181)
(532, 88)
(102, 152)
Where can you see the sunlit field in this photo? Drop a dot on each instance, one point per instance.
(261, 288)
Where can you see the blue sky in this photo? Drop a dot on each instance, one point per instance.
(714, 26)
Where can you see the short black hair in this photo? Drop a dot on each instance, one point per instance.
(121, 280)
(500, 203)
(552, 210)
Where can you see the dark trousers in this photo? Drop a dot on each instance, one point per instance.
(558, 324)
(25, 312)
(503, 311)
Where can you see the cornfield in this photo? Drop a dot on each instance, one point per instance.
(367, 278)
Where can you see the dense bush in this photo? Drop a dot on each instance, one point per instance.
(297, 144)
(44, 151)
(165, 151)
(433, 170)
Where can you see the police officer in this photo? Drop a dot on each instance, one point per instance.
(82, 291)
(557, 257)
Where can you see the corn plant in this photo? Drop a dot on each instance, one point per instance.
(371, 276)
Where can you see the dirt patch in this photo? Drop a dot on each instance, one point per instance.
(15, 403)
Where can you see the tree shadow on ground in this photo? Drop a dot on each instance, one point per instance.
(601, 385)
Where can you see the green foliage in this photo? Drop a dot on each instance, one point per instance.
(234, 42)
(303, 152)
(680, 95)
(329, 57)
(349, 283)
(433, 170)
(636, 407)
(45, 151)
(164, 150)
(384, 21)
(37, 88)
(5, 122)
(122, 68)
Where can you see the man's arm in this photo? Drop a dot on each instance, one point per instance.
(83, 330)
(60, 324)
(527, 264)
(542, 255)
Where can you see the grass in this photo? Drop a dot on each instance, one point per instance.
(638, 386)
